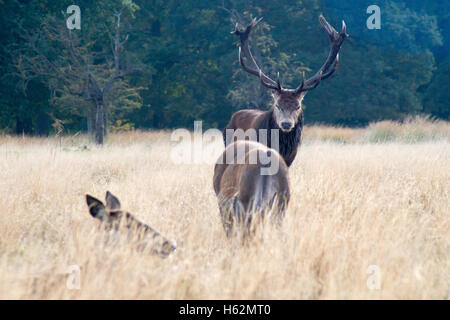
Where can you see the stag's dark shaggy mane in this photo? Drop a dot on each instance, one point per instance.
(289, 142)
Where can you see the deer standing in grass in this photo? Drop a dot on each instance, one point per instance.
(113, 218)
(250, 179)
(286, 114)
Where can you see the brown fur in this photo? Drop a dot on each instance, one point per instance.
(242, 190)
(113, 218)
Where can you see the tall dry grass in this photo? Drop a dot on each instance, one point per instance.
(411, 130)
(353, 205)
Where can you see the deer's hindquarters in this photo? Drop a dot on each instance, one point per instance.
(250, 184)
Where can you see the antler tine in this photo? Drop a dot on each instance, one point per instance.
(344, 29)
(269, 85)
(236, 30)
(243, 35)
(278, 81)
(243, 48)
(300, 87)
(254, 23)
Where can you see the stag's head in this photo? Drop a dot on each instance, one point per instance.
(287, 105)
(287, 108)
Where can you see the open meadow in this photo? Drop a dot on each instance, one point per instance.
(369, 218)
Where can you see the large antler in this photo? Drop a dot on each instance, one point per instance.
(254, 69)
(336, 40)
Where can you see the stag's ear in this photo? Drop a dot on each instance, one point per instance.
(112, 203)
(96, 207)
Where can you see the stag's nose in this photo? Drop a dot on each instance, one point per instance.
(286, 125)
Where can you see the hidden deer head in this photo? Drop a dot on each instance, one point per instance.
(113, 218)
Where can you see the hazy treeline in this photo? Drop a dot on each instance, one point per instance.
(185, 68)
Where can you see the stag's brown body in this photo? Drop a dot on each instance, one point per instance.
(243, 189)
(286, 114)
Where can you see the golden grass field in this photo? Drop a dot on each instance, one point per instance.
(360, 197)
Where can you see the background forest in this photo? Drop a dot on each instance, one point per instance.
(178, 62)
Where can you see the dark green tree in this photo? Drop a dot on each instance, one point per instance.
(81, 72)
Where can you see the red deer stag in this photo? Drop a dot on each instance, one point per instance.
(286, 112)
(250, 178)
(113, 218)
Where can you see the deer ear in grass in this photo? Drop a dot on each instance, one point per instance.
(96, 207)
(111, 216)
(112, 203)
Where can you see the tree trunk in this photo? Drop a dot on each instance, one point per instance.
(43, 124)
(99, 122)
(91, 123)
(106, 123)
(24, 125)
